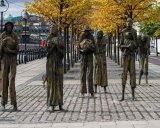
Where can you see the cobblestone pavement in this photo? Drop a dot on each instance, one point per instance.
(155, 59)
(104, 107)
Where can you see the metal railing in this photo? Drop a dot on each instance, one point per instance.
(32, 54)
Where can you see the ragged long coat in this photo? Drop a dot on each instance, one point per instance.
(8, 54)
(100, 73)
(54, 70)
(144, 51)
(128, 60)
(87, 64)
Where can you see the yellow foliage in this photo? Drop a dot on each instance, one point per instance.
(108, 14)
(99, 14)
(50, 9)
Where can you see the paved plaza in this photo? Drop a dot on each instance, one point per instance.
(103, 111)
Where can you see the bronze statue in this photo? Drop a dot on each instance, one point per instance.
(87, 48)
(100, 76)
(144, 50)
(8, 50)
(54, 68)
(128, 46)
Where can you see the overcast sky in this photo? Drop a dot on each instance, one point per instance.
(15, 7)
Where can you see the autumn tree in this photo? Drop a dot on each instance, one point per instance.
(73, 10)
(107, 14)
(152, 26)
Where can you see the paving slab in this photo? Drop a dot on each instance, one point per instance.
(104, 110)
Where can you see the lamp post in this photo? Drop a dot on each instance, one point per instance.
(25, 18)
(4, 5)
(39, 32)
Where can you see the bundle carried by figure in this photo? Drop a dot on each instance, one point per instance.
(10, 43)
(129, 45)
(86, 45)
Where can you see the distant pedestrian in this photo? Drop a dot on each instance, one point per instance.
(100, 76)
(144, 47)
(54, 68)
(87, 48)
(137, 54)
(8, 49)
(43, 43)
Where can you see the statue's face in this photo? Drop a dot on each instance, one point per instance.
(129, 23)
(53, 30)
(87, 33)
(144, 38)
(9, 27)
(100, 34)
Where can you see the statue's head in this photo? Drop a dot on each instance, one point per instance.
(54, 29)
(100, 34)
(129, 22)
(87, 28)
(144, 38)
(8, 27)
(87, 31)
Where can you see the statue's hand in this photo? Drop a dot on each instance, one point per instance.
(48, 45)
(4, 42)
(13, 51)
(129, 45)
(6, 49)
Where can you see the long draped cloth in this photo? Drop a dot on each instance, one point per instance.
(54, 71)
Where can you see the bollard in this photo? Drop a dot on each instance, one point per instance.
(31, 54)
(24, 56)
(19, 57)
